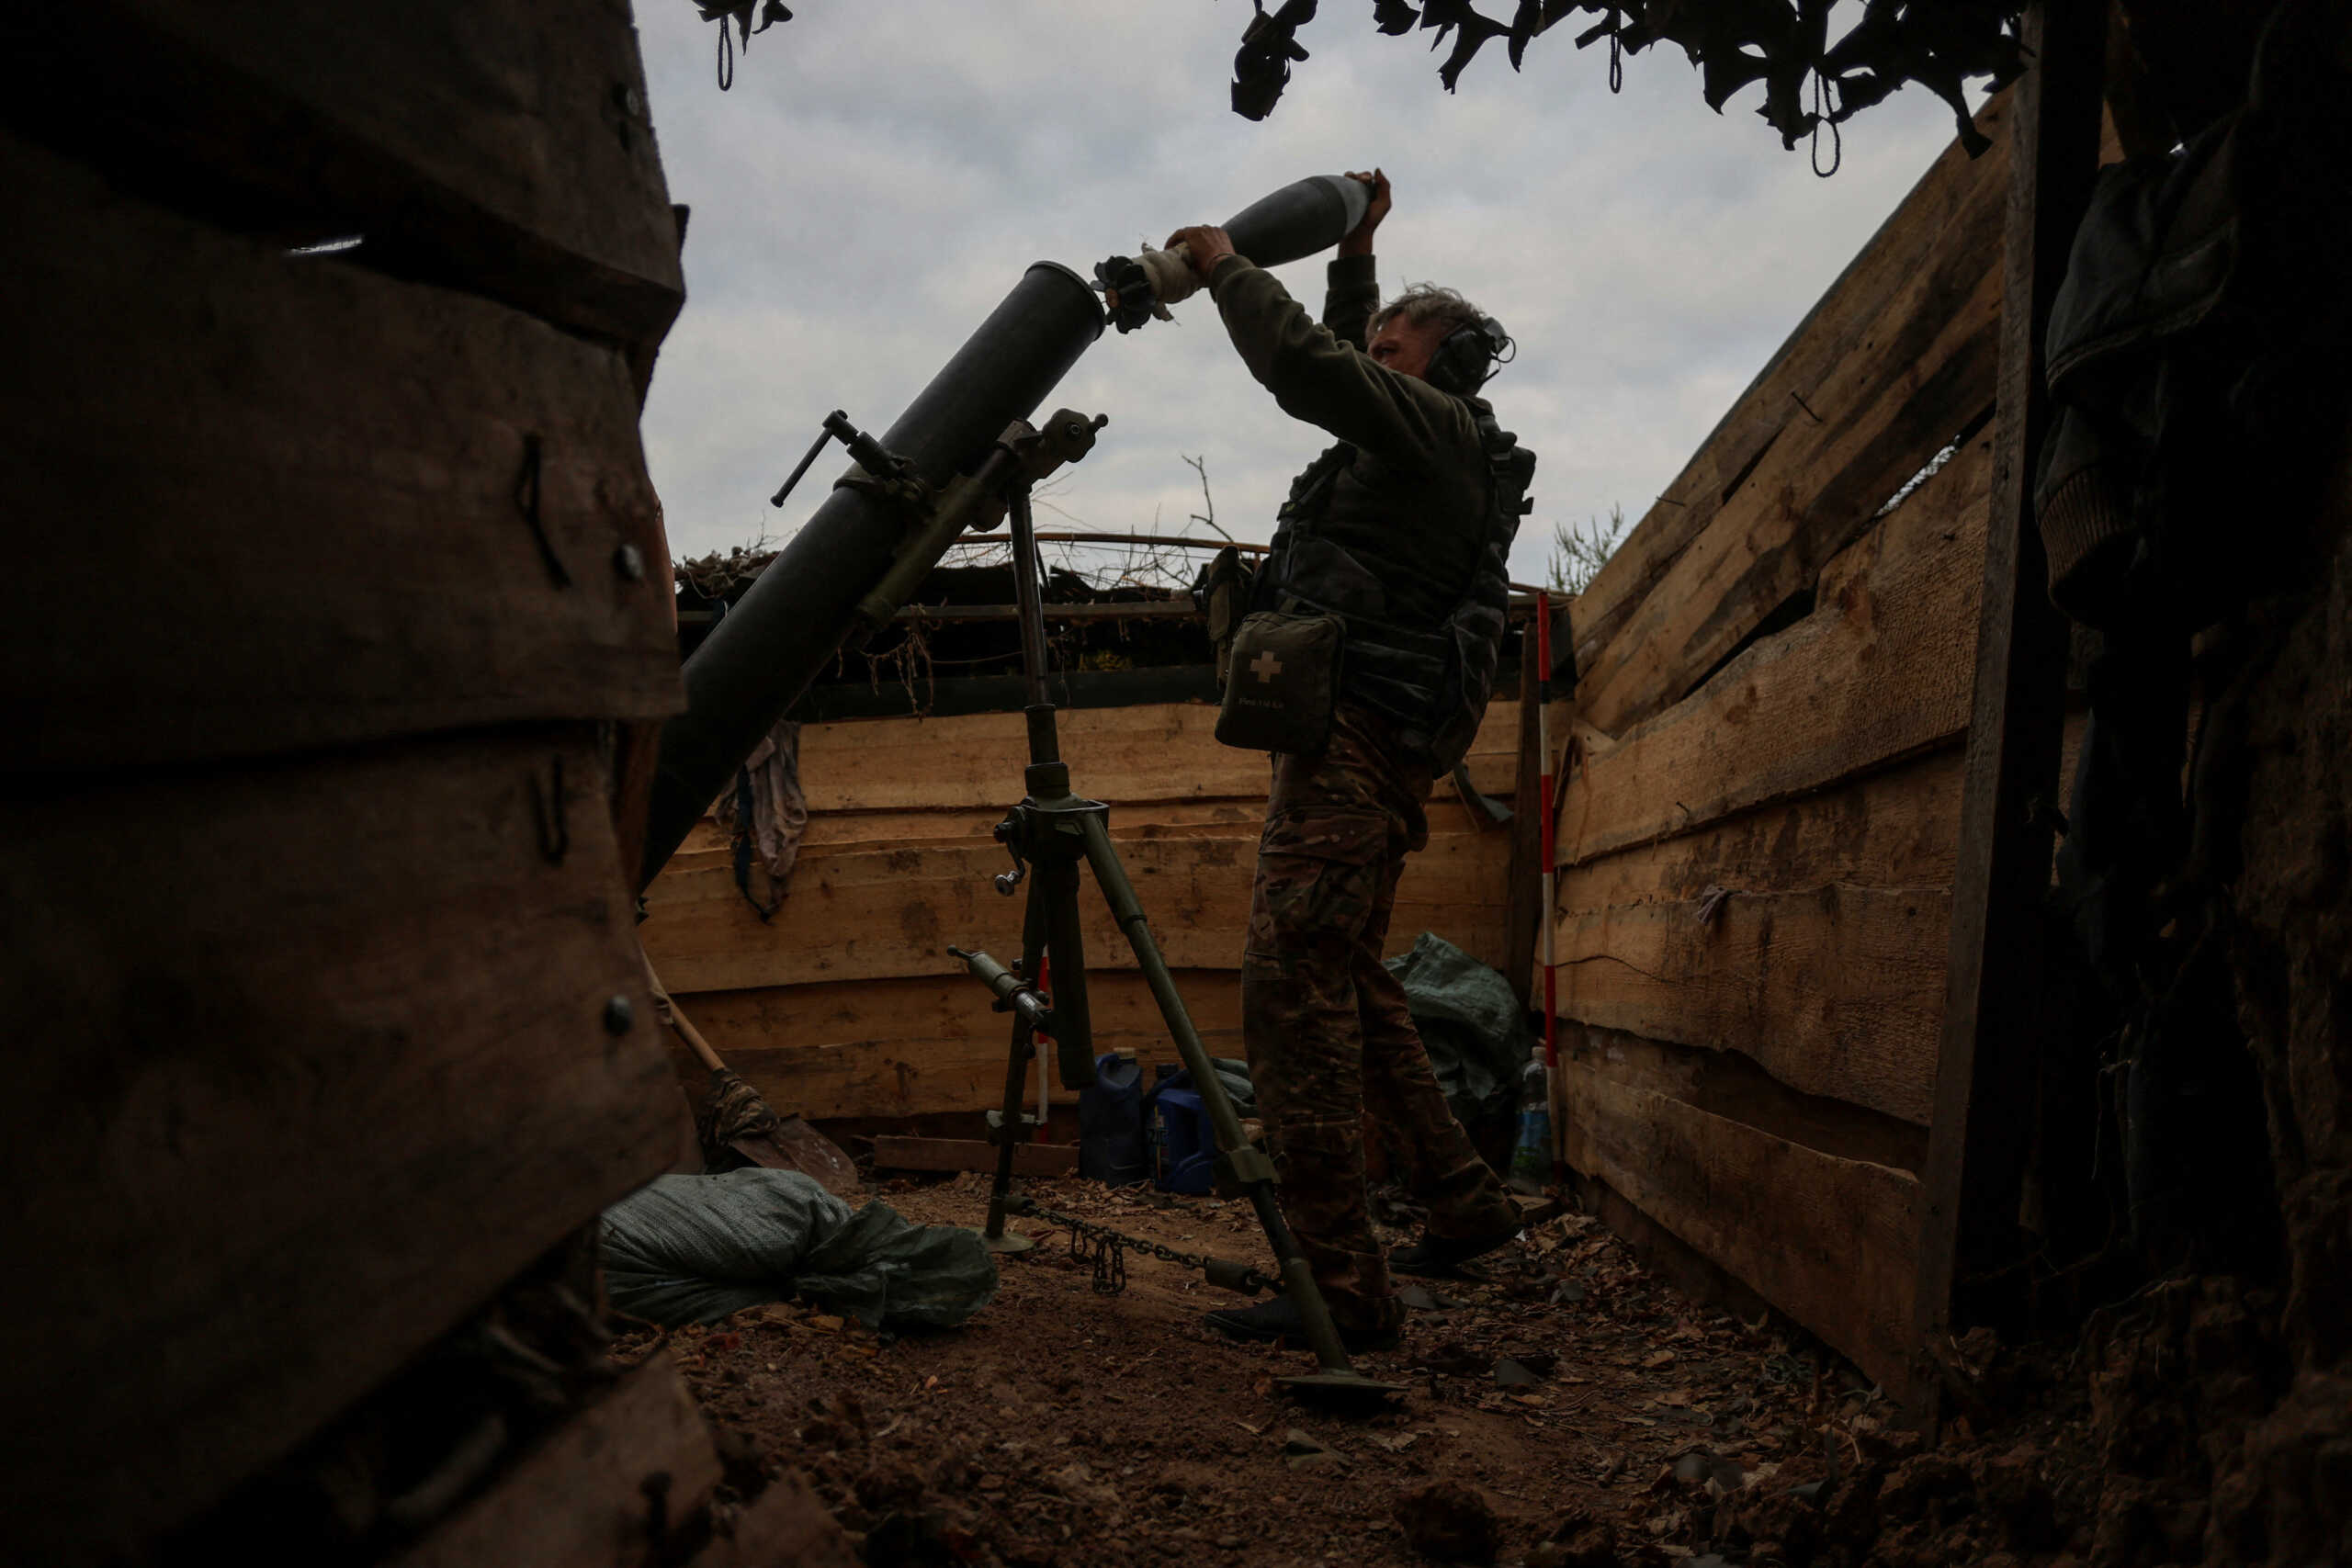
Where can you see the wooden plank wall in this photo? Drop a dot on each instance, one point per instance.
(845, 1004)
(330, 587)
(1758, 826)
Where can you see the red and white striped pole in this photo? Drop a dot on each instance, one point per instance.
(1543, 742)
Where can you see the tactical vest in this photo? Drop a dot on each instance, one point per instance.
(1423, 596)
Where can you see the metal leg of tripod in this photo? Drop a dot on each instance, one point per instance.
(1006, 1126)
(1041, 835)
(1334, 1377)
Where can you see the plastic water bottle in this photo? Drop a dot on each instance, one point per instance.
(1531, 1159)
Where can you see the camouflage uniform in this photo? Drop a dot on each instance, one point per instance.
(1395, 529)
(1328, 1030)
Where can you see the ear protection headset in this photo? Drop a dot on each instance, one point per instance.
(1468, 355)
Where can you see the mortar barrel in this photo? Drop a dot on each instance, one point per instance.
(756, 662)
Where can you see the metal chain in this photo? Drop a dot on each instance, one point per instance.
(1107, 1253)
(1106, 1248)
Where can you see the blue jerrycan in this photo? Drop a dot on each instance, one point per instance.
(1183, 1143)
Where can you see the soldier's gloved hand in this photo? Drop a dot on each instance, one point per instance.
(1359, 239)
(1204, 244)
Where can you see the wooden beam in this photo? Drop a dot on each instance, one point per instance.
(307, 1060)
(1128, 756)
(1895, 826)
(1840, 329)
(972, 1154)
(1835, 990)
(1877, 672)
(897, 856)
(873, 913)
(1821, 958)
(1725, 1084)
(266, 504)
(1984, 1078)
(1826, 1240)
(503, 148)
(1923, 372)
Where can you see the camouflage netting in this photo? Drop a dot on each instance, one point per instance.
(1819, 60)
(1810, 81)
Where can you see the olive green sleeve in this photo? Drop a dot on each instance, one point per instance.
(1350, 294)
(1332, 384)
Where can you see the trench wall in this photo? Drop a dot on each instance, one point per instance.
(845, 1004)
(324, 1012)
(1760, 804)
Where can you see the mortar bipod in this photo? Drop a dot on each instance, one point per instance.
(1048, 833)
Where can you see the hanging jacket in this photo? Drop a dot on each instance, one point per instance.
(1403, 529)
(2196, 350)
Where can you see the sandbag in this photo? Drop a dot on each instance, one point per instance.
(1473, 1023)
(695, 1248)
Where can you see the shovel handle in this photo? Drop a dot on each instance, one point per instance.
(677, 1020)
(695, 1042)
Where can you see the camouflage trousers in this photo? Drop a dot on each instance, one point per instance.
(1328, 1034)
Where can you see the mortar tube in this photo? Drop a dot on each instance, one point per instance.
(1299, 1276)
(757, 661)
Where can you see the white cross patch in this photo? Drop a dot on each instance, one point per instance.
(1265, 666)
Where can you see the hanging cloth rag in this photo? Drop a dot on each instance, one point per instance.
(767, 815)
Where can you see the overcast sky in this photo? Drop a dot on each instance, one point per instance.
(883, 171)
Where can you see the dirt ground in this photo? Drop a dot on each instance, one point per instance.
(1564, 1407)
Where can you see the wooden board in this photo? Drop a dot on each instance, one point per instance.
(1893, 827)
(861, 913)
(501, 146)
(1726, 1084)
(1837, 991)
(265, 504)
(1997, 1028)
(912, 1047)
(307, 1059)
(1829, 1241)
(1925, 372)
(972, 1154)
(1879, 671)
(844, 1003)
(1843, 325)
(1823, 963)
(579, 1500)
(1130, 756)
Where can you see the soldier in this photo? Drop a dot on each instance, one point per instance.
(1400, 532)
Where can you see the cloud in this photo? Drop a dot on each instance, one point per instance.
(881, 174)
